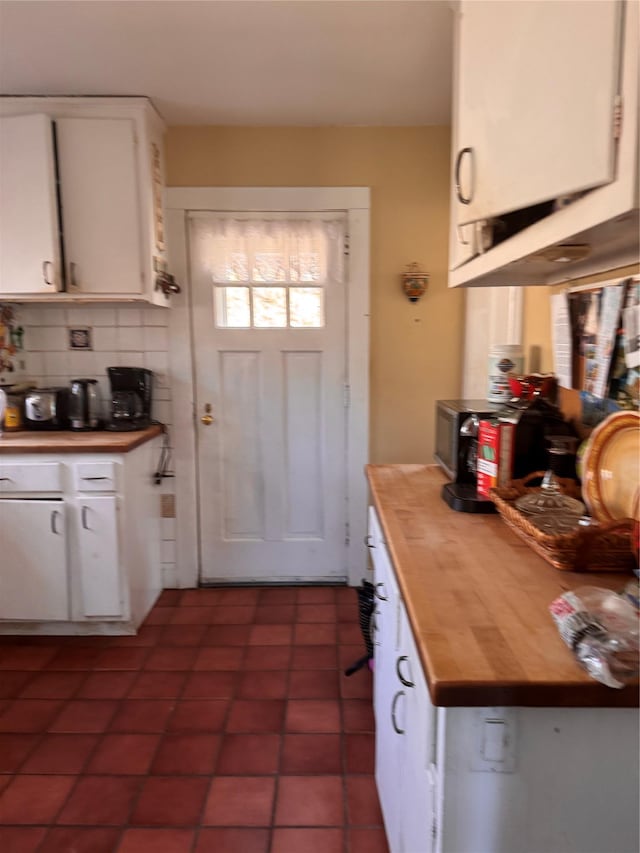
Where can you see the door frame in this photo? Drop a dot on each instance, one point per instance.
(355, 203)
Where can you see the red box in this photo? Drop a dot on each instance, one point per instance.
(495, 455)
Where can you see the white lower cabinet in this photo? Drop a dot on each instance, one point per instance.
(418, 777)
(402, 711)
(83, 556)
(33, 568)
(492, 779)
(385, 698)
(98, 552)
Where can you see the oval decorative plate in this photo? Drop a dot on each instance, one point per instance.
(611, 468)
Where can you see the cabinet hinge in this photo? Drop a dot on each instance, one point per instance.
(347, 395)
(347, 533)
(346, 244)
(617, 117)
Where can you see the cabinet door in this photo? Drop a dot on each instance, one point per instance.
(29, 231)
(33, 576)
(536, 87)
(418, 800)
(388, 698)
(99, 557)
(385, 629)
(100, 205)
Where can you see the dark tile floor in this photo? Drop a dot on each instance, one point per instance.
(225, 726)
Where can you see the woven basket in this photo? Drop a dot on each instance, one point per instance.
(596, 548)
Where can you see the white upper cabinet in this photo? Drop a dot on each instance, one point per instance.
(92, 171)
(100, 211)
(537, 89)
(29, 226)
(545, 141)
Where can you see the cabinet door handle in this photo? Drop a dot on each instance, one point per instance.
(45, 273)
(73, 280)
(7, 479)
(394, 702)
(83, 516)
(367, 541)
(462, 198)
(378, 595)
(403, 680)
(54, 527)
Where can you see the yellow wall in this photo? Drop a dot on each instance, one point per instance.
(415, 349)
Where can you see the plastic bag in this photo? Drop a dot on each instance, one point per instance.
(603, 631)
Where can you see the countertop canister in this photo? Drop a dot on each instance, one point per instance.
(503, 359)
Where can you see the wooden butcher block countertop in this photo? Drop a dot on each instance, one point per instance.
(477, 598)
(63, 441)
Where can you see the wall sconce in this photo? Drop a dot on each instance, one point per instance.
(414, 282)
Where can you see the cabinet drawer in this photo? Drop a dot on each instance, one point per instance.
(30, 477)
(96, 476)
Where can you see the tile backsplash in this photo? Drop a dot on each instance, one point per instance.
(121, 335)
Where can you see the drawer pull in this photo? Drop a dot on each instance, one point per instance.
(95, 478)
(83, 515)
(394, 702)
(7, 479)
(379, 595)
(403, 680)
(54, 527)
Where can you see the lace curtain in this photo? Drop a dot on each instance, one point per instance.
(263, 250)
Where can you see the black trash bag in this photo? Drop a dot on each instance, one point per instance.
(366, 606)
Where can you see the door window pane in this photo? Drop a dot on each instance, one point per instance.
(269, 307)
(232, 307)
(306, 307)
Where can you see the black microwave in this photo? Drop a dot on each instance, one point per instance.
(450, 451)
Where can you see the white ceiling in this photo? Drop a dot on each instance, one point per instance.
(239, 62)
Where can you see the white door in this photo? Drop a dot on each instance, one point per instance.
(29, 232)
(99, 562)
(534, 109)
(100, 205)
(33, 579)
(269, 347)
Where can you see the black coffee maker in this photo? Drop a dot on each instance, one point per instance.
(130, 406)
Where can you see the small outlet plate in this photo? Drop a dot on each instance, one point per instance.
(494, 740)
